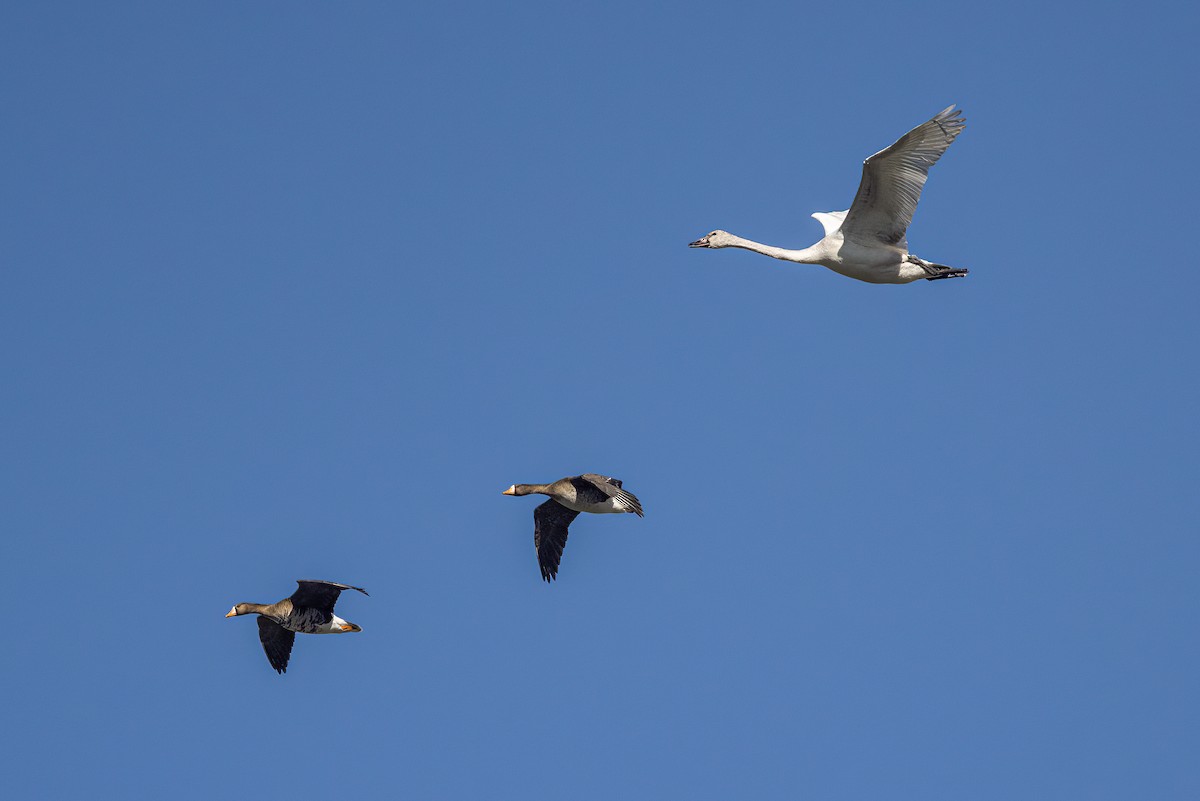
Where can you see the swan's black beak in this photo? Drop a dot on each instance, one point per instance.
(702, 242)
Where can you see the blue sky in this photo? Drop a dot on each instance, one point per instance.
(294, 290)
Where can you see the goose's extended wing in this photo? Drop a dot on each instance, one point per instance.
(276, 641)
(550, 521)
(610, 487)
(892, 180)
(320, 595)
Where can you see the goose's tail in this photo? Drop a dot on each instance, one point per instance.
(935, 271)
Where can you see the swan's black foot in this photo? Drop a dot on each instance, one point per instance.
(944, 272)
(935, 271)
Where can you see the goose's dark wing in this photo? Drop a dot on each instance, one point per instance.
(892, 180)
(550, 521)
(599, 480)
(276, 641)
(611, 488)
(320, 595)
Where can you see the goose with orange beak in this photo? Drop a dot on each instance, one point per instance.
(309, 610)
(569, 496)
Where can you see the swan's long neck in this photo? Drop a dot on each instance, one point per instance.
(805, 256)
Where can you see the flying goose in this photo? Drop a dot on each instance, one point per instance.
(568, 497)
(309, 610)
(867, 241)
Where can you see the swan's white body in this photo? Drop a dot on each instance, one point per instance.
(867, 241)
(876, 265)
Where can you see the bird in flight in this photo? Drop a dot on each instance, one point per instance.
(568, 497)
(868, 240)
(308, 610)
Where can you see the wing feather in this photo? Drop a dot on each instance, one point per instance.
(550, 522)
(276, 642)
(322, 595)
(829, 220)
(611, 487)
(892, 180)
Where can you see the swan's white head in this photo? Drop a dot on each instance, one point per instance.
(717, 239)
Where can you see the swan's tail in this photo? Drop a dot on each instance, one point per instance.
(935, 271)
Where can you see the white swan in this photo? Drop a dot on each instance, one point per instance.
(867, 241)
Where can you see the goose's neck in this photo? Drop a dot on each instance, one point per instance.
(533, 489)
(805, 256)
(249, 609)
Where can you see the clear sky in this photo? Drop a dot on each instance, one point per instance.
(294, 290)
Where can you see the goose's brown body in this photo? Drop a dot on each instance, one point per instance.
(569, 496)
(309, 610)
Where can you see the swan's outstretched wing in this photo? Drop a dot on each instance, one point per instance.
(892, 180)
(830, 220)
(550, 521)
